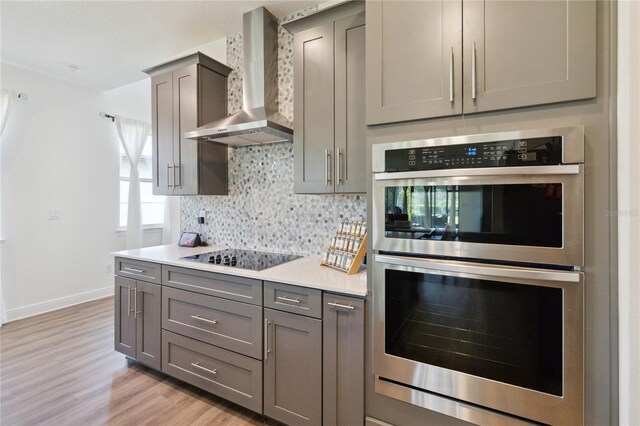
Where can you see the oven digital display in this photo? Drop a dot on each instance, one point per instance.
(507, 153)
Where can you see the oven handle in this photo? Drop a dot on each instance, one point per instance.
(480, 269)
(565, 169)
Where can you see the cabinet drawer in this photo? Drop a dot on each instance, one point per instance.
(138, 270)
(226, 286)
(290, 298)
(232, 325)
(232, 376)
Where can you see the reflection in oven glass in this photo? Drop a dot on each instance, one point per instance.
(517, 214)
(511, 333)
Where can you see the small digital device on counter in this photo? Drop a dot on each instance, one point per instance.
(189, 239)
(244, 259)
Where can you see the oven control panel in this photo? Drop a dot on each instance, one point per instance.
(542, 151)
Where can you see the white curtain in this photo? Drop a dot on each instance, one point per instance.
(133, 135)
(7, 99)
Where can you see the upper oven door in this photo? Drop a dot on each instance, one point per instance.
(521, 214)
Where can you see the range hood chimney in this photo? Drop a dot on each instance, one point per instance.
(259, 121)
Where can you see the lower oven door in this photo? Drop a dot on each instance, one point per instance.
(502, 337)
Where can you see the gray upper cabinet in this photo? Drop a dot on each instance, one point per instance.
(292, 368)
(313, 110)
(137, 320)
(513, 54)
(342, 361)
(414, 60)
(185, 94)
(329, 92)
(350, 127)
(522, 53)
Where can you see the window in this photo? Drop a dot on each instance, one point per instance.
(152, 206)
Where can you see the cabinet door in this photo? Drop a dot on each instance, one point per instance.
(293, 368)
(162, 133)
(148, 303)
(414, 60)
(185, 115)
(125, 325)
(519, 53)
(350, 127)
(212, 105)
(343, 360)
(313, 134)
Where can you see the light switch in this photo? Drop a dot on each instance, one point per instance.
(54, 214)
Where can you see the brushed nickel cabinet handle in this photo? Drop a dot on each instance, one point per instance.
(169, 185)
(339, 166)
(177, 167)
(135, 303)
(199, 318)
(266, 338)
(327, 165)
(451, 74)
(288, 299)
(197, 365)
(129, 301)
(141, 304)
(137, 271)
(340, 305)
(473, 72)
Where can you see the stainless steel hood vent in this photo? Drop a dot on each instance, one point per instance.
(259, 121)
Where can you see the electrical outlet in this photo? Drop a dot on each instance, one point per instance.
(55, 214)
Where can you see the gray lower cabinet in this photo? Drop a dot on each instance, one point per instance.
(329, 91)
(292, 353)
(342, 361)
(230, 325)
(137, 320)
(185, 94)
(442, 58)
(292, 368)
(240, 289)
(230, 375)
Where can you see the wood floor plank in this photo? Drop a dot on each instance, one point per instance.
(60, 368)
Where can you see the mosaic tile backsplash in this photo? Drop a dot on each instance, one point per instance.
(261, 211)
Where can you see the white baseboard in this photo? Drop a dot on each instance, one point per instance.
(62, 302)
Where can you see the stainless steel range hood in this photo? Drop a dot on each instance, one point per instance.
(259, 121)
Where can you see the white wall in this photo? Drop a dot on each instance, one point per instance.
(629, 209)
(57, 153)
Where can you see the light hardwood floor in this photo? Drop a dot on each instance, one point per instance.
(60, 368)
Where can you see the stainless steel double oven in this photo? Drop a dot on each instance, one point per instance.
(477, 293)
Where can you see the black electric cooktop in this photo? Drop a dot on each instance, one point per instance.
(245, 259)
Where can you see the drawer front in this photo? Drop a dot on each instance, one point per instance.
(241, 289)
(294, 299)
(232, 376)
(231, 325)
(138, 270)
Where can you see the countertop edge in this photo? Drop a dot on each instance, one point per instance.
(280, 273)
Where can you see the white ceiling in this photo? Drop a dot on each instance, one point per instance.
(111, 41)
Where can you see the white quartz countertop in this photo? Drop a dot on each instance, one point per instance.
(304, 272)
